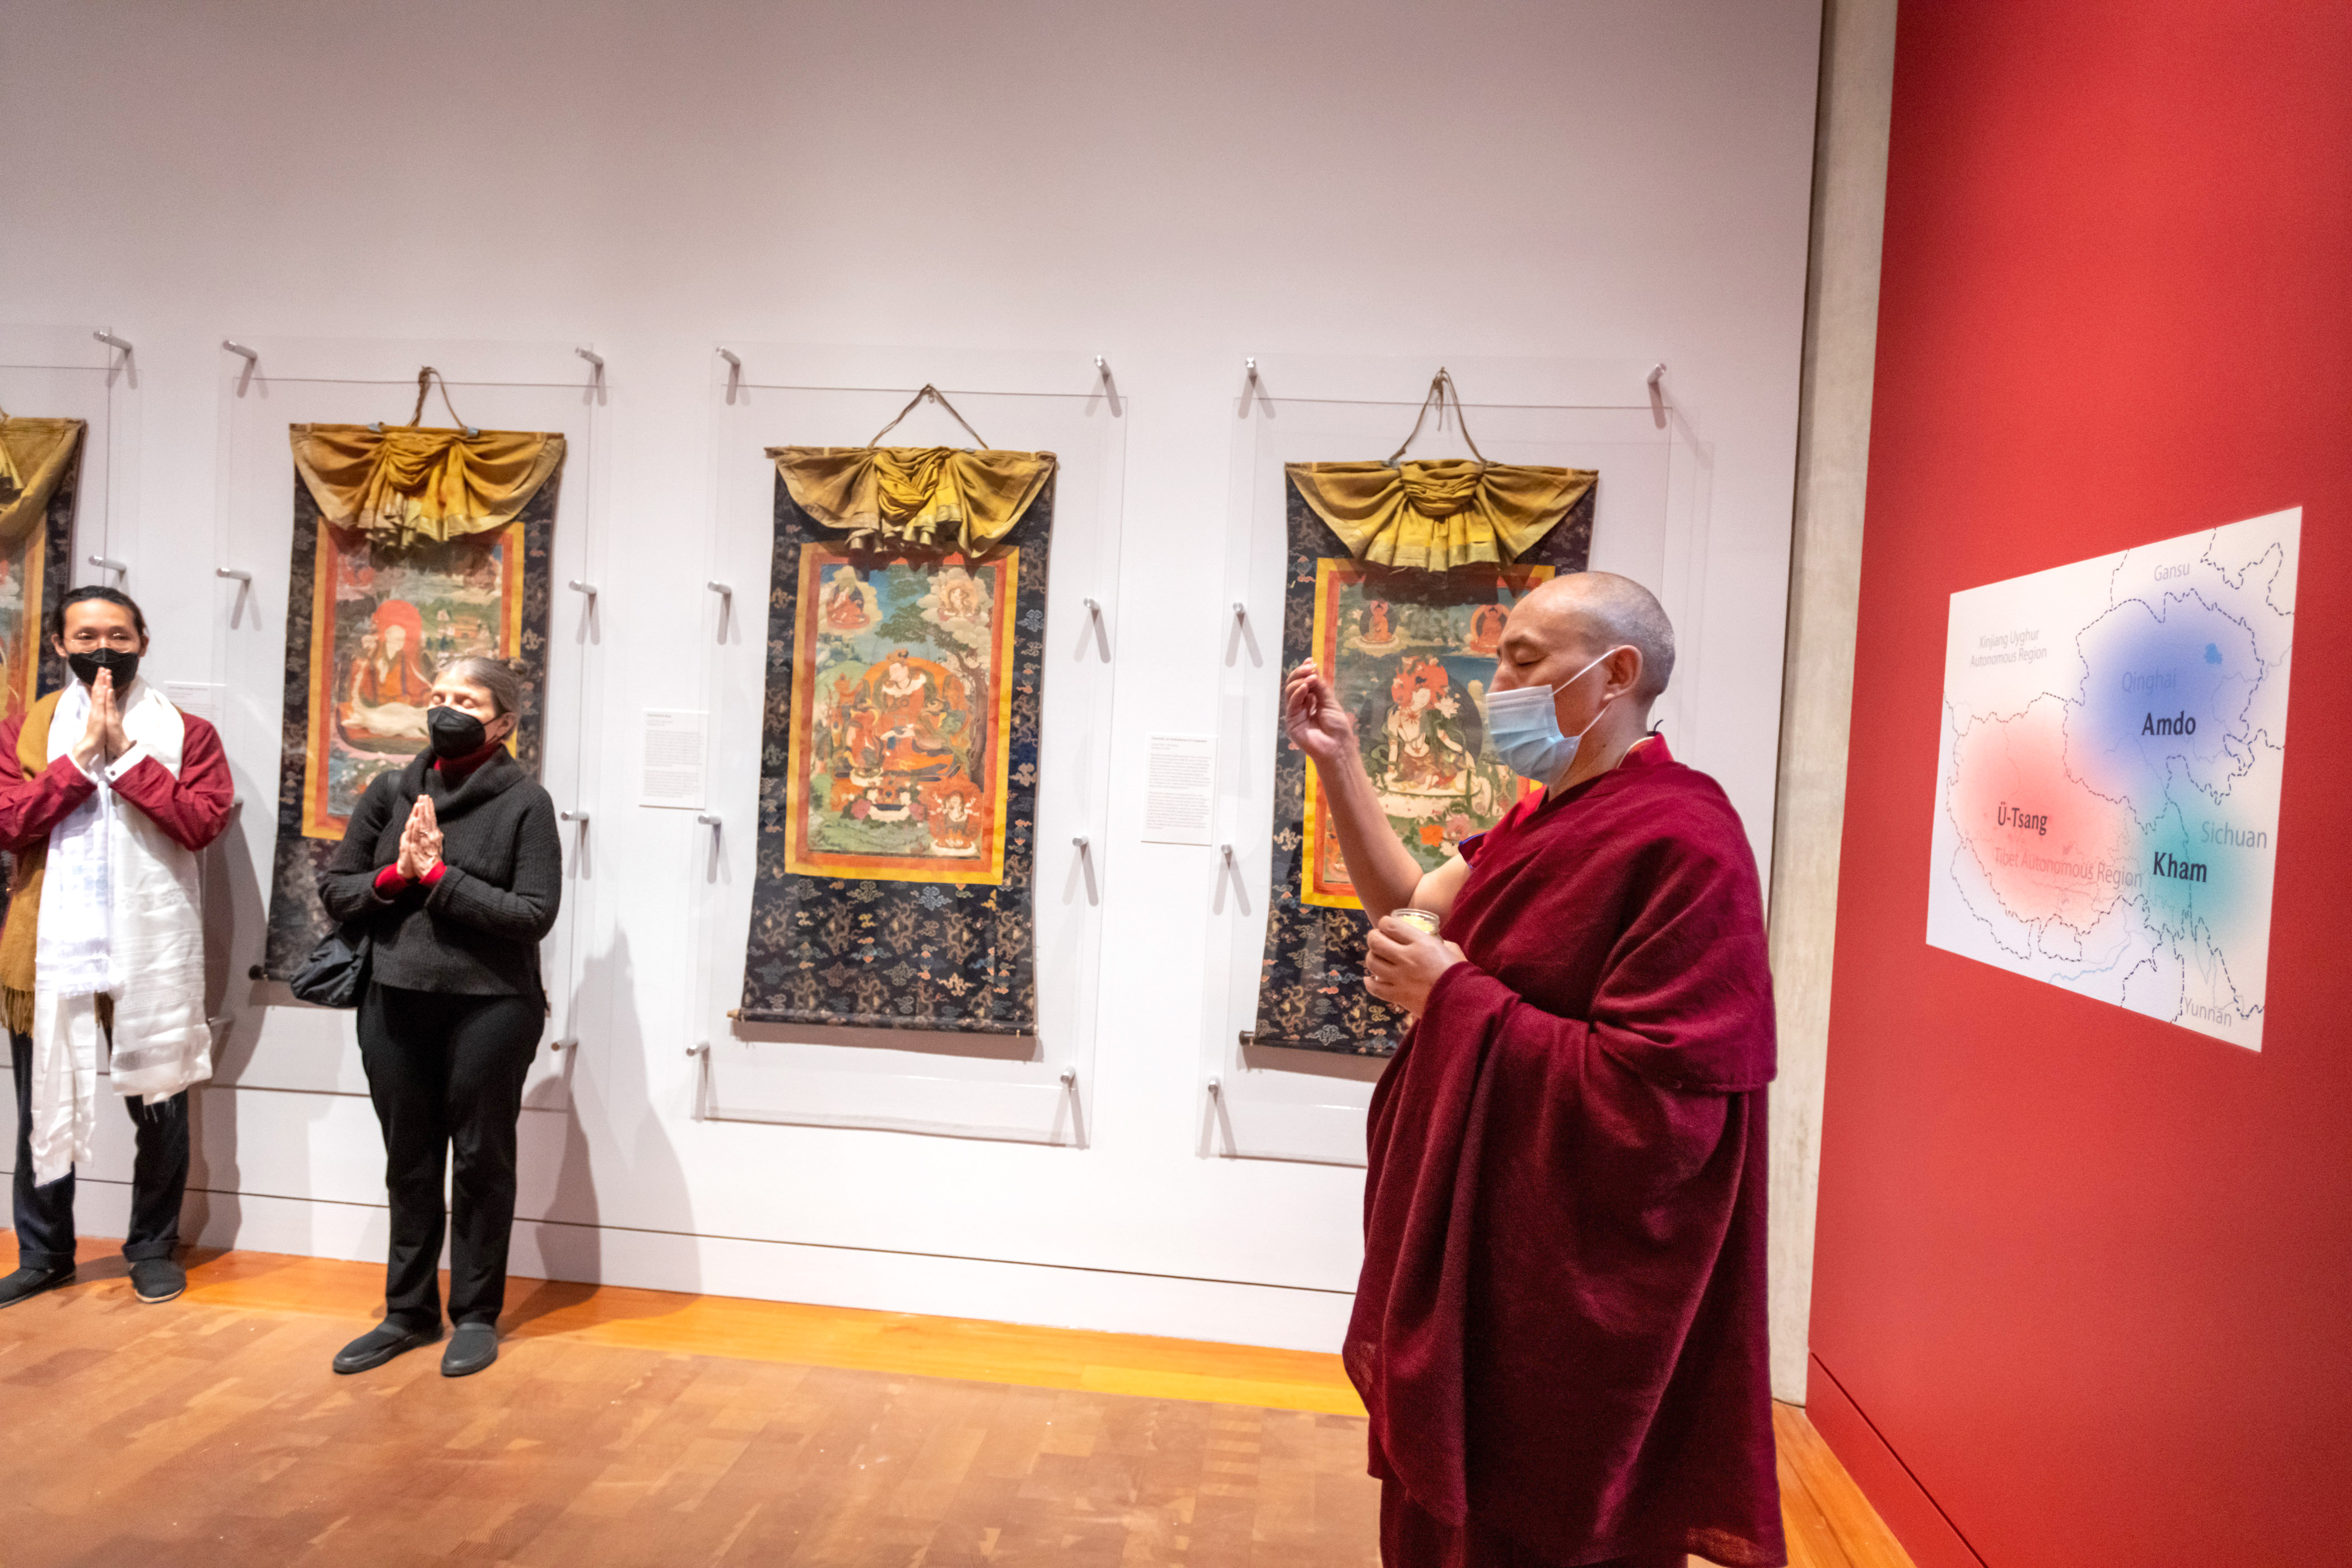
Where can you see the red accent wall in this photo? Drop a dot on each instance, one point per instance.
(2083, 1287)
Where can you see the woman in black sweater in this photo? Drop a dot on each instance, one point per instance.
(453, 866)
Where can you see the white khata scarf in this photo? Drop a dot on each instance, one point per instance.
(120, 914)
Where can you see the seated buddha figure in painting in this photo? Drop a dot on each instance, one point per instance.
(955, 600)
(1486, 630)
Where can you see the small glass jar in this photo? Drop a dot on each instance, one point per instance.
(1419, 919)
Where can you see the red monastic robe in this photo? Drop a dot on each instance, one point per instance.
(1559, 1332)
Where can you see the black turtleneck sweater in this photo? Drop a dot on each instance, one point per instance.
(475, 931)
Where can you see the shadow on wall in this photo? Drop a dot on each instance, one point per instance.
(563, 1238)
(559, 1231)
(214, 1213)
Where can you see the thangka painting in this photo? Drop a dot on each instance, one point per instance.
(40, 473)
(899, 779)
(381, 601)
(1410, 644)
(1411, 655)
(383, 623)
(902, 691)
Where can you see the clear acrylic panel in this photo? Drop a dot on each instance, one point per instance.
(273, 1041)
(1278, 1103)
(67, 372)
(1025, 1088)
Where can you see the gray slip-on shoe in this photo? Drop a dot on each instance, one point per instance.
(473, 1347)
(154, 1279)
(26, 1283)
(381, 1344)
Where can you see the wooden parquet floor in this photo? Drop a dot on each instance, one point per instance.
(635, 1427)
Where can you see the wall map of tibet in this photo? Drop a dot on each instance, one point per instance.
(2108, 785)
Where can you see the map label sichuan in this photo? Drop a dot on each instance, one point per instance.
(2109, 773)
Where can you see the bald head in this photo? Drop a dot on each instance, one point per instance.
(1600, 610)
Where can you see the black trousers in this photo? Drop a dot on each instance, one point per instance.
(445, 1073)
(159, 1178)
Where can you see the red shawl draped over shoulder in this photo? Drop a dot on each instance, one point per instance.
(1559, 1332)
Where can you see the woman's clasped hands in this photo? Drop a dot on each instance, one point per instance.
(420, 841)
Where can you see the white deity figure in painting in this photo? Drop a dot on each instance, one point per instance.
(1425, 751)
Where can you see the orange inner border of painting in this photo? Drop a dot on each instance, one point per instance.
(1330, 575)
(803, 860)
(316, 821)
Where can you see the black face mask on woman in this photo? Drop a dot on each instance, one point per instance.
(454, 733)
(121, 661)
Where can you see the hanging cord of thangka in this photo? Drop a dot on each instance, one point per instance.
(929, 497)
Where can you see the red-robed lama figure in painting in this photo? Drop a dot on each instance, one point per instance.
(389, 683)
(1559, 1332)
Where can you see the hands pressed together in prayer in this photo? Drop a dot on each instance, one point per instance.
(102, 737)
(1402, 962)
(420, 841)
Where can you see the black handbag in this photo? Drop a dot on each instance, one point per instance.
(336, 972)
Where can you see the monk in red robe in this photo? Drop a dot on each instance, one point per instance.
(1559, 1332)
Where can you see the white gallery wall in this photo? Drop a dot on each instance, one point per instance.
(1551, 194)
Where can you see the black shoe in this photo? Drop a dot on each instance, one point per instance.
(381, 1344)
(156, 1280)
(27, 1282)
(473, 1347)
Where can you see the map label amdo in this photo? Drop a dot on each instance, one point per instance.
(2107, 784)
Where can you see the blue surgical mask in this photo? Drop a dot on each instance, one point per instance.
(1524, 726)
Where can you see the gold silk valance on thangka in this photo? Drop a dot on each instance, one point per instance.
(930, 497)
(1435, 516)
(405, 483)
(35, 454)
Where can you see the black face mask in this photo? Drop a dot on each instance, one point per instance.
(122, 662)
(454, 732)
